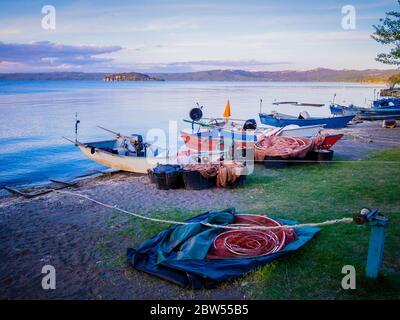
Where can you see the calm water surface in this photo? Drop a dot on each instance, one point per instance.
(34, 115)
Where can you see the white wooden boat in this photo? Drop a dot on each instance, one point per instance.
(104, 153)
(111, 154)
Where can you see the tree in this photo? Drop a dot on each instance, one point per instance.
(393, 80)
(388, 33)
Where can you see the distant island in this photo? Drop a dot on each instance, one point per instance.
(314, 75)
(130, 76)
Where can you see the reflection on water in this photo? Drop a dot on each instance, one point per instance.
(36, 114)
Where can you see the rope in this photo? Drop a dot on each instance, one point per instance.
(371, 138)
(317, 224)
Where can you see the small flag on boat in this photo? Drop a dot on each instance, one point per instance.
(227, 112)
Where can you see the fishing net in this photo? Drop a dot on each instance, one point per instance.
(286, 147)
(250, 243)
(225, 172)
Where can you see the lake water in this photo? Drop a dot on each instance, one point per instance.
(34, 115)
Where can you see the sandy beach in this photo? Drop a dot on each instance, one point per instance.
(87, 243)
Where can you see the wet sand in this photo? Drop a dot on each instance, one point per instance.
(87, 243)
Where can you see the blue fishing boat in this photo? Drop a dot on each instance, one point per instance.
(381, 109)
(387, 104)
(337, 109)
(281, 120)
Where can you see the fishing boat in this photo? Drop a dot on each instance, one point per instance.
(337, 109)
(298, 104)
(280, 120)
(132, 154)
(381, 109)
(224, 133)
(217, 138)
(390, 92)
(386, 104)
(372, 115)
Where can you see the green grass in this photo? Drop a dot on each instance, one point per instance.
(313, 193)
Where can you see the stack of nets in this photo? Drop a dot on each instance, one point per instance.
(286, 147)
(225, 172)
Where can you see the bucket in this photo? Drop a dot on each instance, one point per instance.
(167, 177)
(320, 155)
(275, 162)
(193, 180)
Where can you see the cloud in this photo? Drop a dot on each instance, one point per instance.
(46, 54)
(166, 24)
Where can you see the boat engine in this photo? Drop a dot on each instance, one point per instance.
(250, 124)
(138, 144)
(304, 115)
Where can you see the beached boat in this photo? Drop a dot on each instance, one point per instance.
(390, 92)
(216, 138)
(222, 139)
(280, 120)
(386, 104)
(337, 109)
(298, 104)
(132, 154)
(379, 115)
(381, 109)
(110, 154)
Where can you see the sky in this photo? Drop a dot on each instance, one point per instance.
(181, 36)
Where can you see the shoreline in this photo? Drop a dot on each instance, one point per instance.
(379, 83)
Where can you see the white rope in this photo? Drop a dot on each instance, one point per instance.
(317, 224)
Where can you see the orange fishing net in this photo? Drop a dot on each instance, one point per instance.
(286, 147)
(226, 172)
(241, 243)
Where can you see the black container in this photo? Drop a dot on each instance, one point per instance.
(275, 162)
(193, 180)
(320, 156)
(167, 177)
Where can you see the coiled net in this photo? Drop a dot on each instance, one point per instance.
(250, 243)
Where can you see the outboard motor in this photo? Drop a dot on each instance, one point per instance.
(250, 124)
(304, 115)
(138, 144)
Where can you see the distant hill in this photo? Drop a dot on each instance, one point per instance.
(314, 75)
(52, 76)
(130, 76)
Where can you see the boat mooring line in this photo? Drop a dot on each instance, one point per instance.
(328, 161)
(316, 224)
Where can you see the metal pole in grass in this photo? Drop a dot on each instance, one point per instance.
(378, 223)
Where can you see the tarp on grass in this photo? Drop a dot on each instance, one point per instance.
(178, 253)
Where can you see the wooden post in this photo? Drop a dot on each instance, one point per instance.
(376, 245)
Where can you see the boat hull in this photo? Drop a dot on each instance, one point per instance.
(196, 142)
(329, 123)
(370, 114)
(218, 139)
(142, 164)
(118, 162)
(376, 115)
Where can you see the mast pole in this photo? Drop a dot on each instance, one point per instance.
(76, 128)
